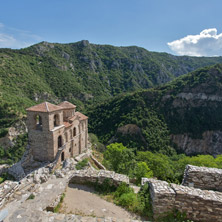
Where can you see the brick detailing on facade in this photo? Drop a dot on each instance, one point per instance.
(203, 178)
(199, 205)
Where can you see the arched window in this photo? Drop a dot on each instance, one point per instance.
(38, 122)
(74, 131)
(59, 141)
(56, 120)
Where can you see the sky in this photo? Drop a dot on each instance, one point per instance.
(179, 27)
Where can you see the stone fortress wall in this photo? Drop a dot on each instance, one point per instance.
(93, 176)
(203, 178)
(203, 204)
(199, 204)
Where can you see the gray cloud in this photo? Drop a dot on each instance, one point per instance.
(207, 43)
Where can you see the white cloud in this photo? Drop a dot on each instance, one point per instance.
(207, 43)
(1, 25)
(15, 38)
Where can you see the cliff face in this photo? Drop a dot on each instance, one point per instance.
(211, 143)
(186, 112)
(18, 128)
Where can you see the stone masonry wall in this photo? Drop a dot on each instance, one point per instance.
(200, 205)
(203, 178)
(92, 176)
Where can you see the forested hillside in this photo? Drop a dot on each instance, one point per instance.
(81, 73)
(147, 120)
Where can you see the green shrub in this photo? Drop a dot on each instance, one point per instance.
(127, 199)
(3, 132)
(141, 170)
(173, 216)
(80, 165)
(122, 189)
(106, 187)
(2, 180)
(31, 196)
(13, 154)
(95, 143)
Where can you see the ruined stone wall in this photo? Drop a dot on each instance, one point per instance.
(203, 178)
(199, 205)
(92, 176)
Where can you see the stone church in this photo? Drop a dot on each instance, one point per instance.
(56, 132)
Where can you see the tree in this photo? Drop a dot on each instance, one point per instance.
(142, 170)
(119, 158)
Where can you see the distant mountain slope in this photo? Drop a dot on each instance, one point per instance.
(186, 112)
(82, 73)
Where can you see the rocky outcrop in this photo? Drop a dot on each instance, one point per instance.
(128, 131)
(17, 171)
(203, 178)
(15, 130)
(211, 143)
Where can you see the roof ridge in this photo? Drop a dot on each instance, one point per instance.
(47, 108)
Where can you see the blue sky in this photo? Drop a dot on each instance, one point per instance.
(171, 26)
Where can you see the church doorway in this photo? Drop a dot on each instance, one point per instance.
(62, 156)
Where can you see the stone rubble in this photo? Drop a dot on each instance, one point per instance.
(47, 193)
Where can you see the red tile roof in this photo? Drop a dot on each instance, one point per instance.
(67, 105)
(73, 118)
(67, 124)
(44, 107)
(81, 116)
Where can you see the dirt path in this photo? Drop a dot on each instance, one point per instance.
(80, 199)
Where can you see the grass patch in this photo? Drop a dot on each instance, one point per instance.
(2, 179)
(80, 165)
(57, 208)
(125, 197)
(31, 197)
(173, 216)
(6, 176)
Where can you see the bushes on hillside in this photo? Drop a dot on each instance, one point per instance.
(147, 164)
(14, 154)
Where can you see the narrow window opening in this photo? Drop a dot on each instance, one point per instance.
(38, 122)
(62, 156)
(59, 141)
(74, 131)
(56, 120)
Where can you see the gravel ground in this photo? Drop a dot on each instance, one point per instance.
(81, 200)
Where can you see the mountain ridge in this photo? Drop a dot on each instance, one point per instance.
(178, 114)
(81, 73)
